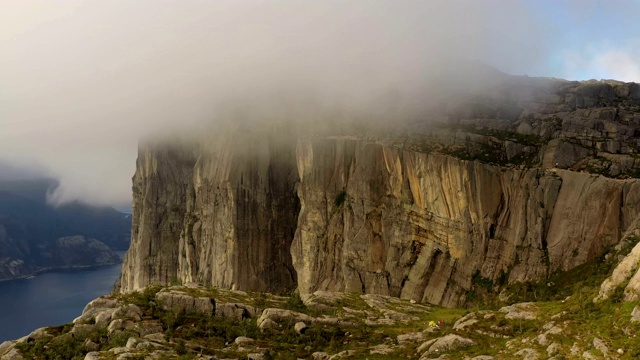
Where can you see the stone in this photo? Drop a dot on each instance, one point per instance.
(381, 349)
(147, 345)
(322, 300)
(235, 311)
(300, 327)
(186, 303)
(553, 349)
(542, 340)
(6, 345)
(38, 334)
(120, 324)
(100, 303)
(90, 345)
(575, 349)
(601, 346)
(93, 355)
(131, 343)
(82, 329)
(129, 311)
(147, 327)
(445, 343)
(527, 354)
(267, 324)
(635, 314)
(243, 341)
(345, 354)
(410, 337)
(102, 317)
(588, 356)
(621, 274)
(12, 354)
(318, 355)
(521, 311)
(157, 337)
(274, 315)
(461, 325)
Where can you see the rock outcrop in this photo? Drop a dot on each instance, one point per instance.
(537, 176)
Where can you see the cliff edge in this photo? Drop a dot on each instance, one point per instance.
(532, 177)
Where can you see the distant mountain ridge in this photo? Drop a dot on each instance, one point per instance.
(35, 236)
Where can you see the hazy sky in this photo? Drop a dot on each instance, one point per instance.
(82, 81)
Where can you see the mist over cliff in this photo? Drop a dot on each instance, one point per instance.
(83, 81)
(526, 178)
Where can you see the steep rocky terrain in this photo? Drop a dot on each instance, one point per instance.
(517, 210)
(558, 319)
(526, 178)
(35, 236)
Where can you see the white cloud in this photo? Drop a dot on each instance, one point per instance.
(81, 82)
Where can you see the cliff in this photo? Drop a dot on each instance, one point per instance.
(533, 177)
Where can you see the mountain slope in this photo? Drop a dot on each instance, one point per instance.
(36, 236)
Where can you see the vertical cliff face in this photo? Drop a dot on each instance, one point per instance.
(222, 216)
(540, 177)
(261, 213)
(426, 226)
(160, 187)
(241, 214)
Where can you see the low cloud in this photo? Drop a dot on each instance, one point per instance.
(83, 81)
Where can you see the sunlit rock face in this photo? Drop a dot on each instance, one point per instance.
(534, 176)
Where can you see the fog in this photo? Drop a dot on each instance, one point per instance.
(82, 81)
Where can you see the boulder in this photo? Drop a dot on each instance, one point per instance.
(410, 337)
(120, 324)
(186, 303)
(300, 327)
(236, 311)
(90, 345)
(5, 346)
(318, 355)
(553, 349)
(445, 343)
(129, 311)
(635, 314)
(381, 349)
(521, 311)
(93, 355)
(527, 354)
(600, 345)
(147, 327)
(12, 354)
(103, 317)
(280, 315)
(267, 324)
(243, 340)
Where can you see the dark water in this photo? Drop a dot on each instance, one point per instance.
(51, 298)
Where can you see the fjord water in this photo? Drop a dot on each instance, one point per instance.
(51, 298)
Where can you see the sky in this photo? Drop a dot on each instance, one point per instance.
(82, 81)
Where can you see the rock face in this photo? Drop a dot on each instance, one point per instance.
(626, 275)
(420, 226)
(224, 215)
(535, 178)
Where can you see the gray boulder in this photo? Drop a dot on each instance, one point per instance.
(185, 303)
